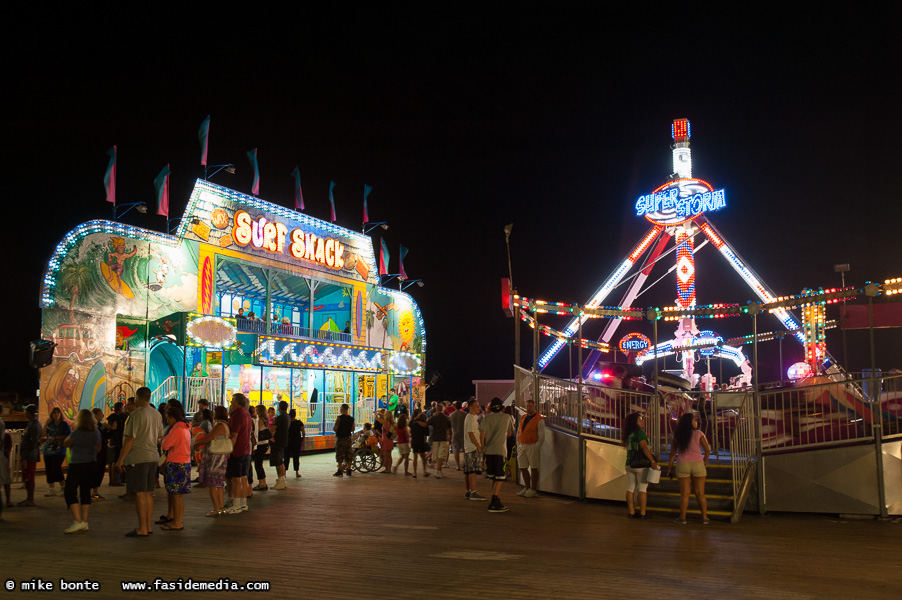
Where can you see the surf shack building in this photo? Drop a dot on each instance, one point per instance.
(246, 296)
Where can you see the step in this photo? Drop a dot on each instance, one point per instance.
(717, 515)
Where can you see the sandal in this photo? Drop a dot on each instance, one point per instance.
(162, 520)
(168, 528)
(134, 533)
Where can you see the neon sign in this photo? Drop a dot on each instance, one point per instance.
(212, 332)
(634, 342)
(271, 235)
(680, 201)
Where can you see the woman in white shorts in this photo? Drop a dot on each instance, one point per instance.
(635, 440)
(686, 447)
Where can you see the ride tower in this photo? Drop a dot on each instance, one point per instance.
(678, 210)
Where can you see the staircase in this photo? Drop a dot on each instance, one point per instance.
(664, 497)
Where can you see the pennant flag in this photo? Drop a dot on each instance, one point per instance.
(383, 259)
(331, 199)
(109, 179)
(161, 185)
(252, 156)
(366, 192)
(401, 254)
(202, 136)
(298, 194)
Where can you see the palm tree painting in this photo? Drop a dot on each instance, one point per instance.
(75, 278)
(370, 323)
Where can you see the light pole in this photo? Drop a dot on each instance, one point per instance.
(842, 269)
(516, 311)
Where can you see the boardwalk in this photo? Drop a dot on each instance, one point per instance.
(390, 536)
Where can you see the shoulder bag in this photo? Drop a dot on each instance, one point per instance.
(221, 445)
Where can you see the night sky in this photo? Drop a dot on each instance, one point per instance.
(466, 121)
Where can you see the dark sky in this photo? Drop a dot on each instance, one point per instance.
(552, 120)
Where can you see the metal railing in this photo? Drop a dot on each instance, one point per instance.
(830, 413)
(166, 390)
(364, 412)
(743, 451)
(246, 325)
(209, 388)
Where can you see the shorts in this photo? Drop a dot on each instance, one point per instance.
(457, 445)
(177, 478)
(28, 468)
(403, 449)
(419, 447)
(528, 456)
(494, 466)
(636, 478)
(238, 466)
(141, 477)
(276, 456)
(472, 462)
(439, 450)
(694, 468)
(343, 452)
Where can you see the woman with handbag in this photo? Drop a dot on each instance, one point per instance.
(217, 446)
(263, 437)
(56, 430)
(686, 447)
(638, 460)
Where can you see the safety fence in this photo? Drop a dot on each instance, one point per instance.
(739, 425)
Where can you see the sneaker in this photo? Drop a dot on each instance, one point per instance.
(77, 526)
(467, 496)
(679, 521)
(523, 492)
(497, 507)
(476, 496)
(232, 510)
(348, 472)
(338, 473)
(706, 521)
(261, 488)
(530, 493)
(52, 492)
(242, 509)
(438, 475)
(280, 485)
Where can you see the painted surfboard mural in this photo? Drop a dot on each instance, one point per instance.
(93, 394)
(359, 319)
(206, 286)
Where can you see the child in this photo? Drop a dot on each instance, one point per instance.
(403, 444)
(198, 432)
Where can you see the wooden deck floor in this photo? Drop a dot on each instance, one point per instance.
(396, 537)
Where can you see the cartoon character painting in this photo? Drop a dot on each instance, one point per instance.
(114, 267)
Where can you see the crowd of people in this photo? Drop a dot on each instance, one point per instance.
(229, 445)
(486, 441)
(140, 444)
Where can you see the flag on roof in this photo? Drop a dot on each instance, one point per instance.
(298, 194)
(402, 252)
(366, 192)
(384, 257)
(332, 199)
(252, 156)
(109, 179)
(161, 185)
(202, 136)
